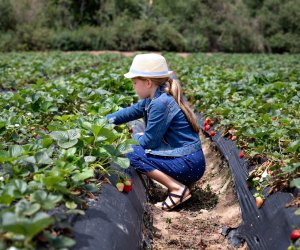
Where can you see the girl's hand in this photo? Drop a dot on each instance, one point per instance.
(140, 133)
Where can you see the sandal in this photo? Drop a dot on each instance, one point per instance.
(167, 207)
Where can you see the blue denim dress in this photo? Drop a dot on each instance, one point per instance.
(185, 169)
(169, 143)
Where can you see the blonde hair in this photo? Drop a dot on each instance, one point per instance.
(173, 88)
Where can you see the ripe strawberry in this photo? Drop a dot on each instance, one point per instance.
(128, 185)
(259, 201)
(295, 234)
(274, 118)
(242, 154)
(120, 186)
(212, 133)
(206, 127)
(234, 137)
(209, 121)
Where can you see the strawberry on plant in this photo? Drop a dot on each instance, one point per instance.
(128, 185)
(259, 201)
(212, 133)
(242, 154)
(295, 234)
(120, 186)
(206, 127)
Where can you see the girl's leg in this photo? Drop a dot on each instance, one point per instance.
(173, 186)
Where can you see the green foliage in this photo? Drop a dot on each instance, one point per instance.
(229, 26)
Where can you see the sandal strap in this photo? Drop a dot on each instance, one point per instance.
(171, 199)
(165, 204)
(178, 196)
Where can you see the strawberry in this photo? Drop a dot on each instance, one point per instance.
(259, 201)
(274, 118)
(206, 127)
(120, 186)
(128, 185)
(212, 133)
(242, 154)
(295, 234)
(209, 121)
(234, 137)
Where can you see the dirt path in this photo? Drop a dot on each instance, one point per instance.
(198, 223)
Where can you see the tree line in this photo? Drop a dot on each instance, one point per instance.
(162, 25)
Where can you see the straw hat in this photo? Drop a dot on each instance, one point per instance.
(149, 65)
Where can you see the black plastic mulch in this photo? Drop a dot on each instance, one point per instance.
(114, 220)
(268, 227)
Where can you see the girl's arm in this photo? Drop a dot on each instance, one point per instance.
(128, 114)
(157, 125)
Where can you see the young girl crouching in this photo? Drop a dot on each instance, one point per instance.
(169, 149)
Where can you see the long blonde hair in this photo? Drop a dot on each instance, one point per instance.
(173, 88)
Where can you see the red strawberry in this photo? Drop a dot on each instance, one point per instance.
(242, 154)
(128, 185)
(212, 133)
(274, 118)
(259, 201)
(209, 121)
(206, 127)
(120, 186)
(295, 234)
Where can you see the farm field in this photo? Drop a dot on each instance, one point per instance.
(54, 140)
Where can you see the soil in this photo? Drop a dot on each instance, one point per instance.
(199, 222)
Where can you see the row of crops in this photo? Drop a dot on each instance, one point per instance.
(55, 144)
(255, 100)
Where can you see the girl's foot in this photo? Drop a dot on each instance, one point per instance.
(174, 199)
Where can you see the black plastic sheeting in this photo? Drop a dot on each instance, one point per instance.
(115, 219)
(268, 227)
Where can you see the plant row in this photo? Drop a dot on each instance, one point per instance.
(55, 148)
(255, 101)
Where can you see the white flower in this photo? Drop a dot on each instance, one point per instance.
(1, 178)
(29, 114)
(17, 125)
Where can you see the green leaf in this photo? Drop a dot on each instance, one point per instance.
(71, 204)
(295, 183)
(89, 158)
(293, 147)
(122, 162)
(20, 185)
(43, 158)
(15, 150)
(59, 135)
(46, 142)
(297, 212)
(6, 199)
(85, 174)
(67, 144)
(73, 134)
(29, 227)
(111, 150)
(48, 201)
(23, 207)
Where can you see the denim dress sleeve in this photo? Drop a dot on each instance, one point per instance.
(134, 112)
(157, 125)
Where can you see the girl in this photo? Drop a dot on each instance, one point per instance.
(169, 150)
